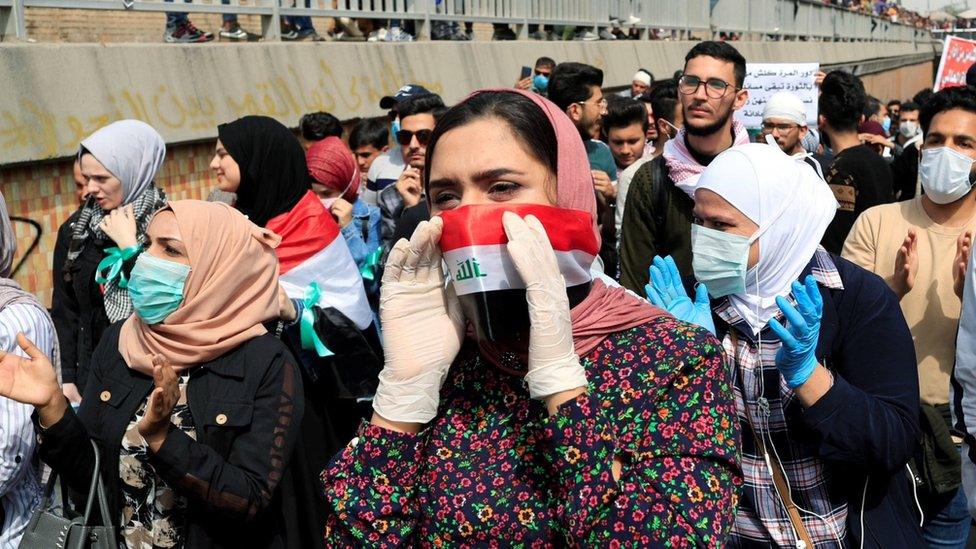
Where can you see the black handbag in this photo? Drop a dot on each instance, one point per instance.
(68, 530)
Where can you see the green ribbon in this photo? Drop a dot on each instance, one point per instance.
(113, 261)
(310, 338)
(372, 261)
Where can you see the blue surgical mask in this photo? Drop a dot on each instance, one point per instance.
(886, 124)
(395, 127)
(945, 174)
(540, 82)
(156, 287)
(720, 260)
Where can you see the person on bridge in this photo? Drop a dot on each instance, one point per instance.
(119, 164)
(569, 413)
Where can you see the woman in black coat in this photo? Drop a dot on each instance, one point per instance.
(194, 407)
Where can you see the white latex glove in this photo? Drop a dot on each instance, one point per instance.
(553, 363)
(422, 328)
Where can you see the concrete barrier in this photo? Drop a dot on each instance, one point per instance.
(55, 95)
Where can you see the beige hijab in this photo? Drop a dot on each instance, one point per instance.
(232, 289)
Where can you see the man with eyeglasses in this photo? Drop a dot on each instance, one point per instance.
(658, 217)
(785, 118)
(417, 117)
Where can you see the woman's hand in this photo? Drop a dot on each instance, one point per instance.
(797, 359)
(555, 373)
(342, 211)
(70, 390)
(120, 226)
(32, 381)
(154, 425)
(667, 292)
(422, 331)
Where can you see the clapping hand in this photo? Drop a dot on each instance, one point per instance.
(796, 359)
(666, 291)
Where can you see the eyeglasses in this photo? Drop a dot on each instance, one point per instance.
(602, 103)
(781, 128)
(404, 137)
(714, 87)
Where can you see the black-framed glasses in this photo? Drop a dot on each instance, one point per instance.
(423, 137)
(781, 128)
(714, 87)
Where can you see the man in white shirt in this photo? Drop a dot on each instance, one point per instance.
(386, 168)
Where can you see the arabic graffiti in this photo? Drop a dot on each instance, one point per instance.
(30, 131)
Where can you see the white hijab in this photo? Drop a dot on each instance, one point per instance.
(791, 204)
(131, 150)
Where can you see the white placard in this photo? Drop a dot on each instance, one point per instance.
(765, 79)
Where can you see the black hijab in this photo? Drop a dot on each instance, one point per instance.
(274, 176)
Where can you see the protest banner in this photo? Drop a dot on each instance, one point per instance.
(765, 79)
(958, 55)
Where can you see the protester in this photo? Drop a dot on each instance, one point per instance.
(640, 84)
(785, 119)
(119, 163)
(417, 119)
(20, 313)
(335, 179)
(666, 118)
(387, 168)
(894, 110)
(625, 126)
(193, 406)
(828, 397)
(368, 140)
(904, 167)
(504, 436)
(316, 126)
(875, 111)
(858, 176)
(538, 82)
(658, 217)
(916, 246)
(336, 342)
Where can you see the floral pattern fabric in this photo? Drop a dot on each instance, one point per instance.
(493, 469)
(153, 515)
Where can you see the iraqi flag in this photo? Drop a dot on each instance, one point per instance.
(474, 245)
(313, 250)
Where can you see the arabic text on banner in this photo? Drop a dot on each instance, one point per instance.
(765, 79)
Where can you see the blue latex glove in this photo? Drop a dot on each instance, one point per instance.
(666, 291)
(796, 359)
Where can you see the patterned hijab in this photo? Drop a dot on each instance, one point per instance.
(133, 152)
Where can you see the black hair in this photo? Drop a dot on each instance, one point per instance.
(723, 51)
(570, 83)
(664, 100)
(909, 106)
(894, 102)
(957, 97)
(419, 104)
(545, 62)
(622, 112)
(871, 107)
(316, 126)
(922, 97)
(842, 100)
(370, 131)
(526, 120)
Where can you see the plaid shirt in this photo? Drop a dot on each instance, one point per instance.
(763, 398)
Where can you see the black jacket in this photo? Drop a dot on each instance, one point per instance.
(247, 407)
(77, 306)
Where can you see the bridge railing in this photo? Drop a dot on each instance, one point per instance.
(754, 19)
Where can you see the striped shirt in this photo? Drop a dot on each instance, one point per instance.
(20, 481)
(763, 399)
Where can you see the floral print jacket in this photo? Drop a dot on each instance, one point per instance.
(493, 469)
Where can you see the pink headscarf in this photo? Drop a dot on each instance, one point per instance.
(605, 310)
(331, 163)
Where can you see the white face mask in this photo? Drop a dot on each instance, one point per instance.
(945, 174)
(908, 129)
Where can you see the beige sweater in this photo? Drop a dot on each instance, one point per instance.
(931, 308)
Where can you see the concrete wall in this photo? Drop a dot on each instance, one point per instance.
(55, 95)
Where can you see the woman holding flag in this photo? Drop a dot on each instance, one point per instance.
(263, 163)
(568, 413)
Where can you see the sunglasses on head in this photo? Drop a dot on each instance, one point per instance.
(423, 137)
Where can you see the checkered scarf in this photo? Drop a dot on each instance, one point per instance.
(683, 167)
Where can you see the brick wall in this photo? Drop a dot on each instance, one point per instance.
(44, 192)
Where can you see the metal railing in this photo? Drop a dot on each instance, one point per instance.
(762, 19)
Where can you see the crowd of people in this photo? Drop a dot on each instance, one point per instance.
(543, 316)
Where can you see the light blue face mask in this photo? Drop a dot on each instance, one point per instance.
(720, 260)
(395, 127)
(540, 82)
(156, 287)
(886, 124)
